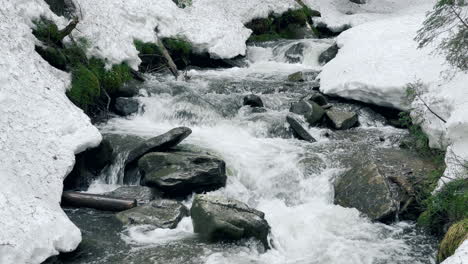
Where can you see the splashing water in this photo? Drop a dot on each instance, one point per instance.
(289, 180)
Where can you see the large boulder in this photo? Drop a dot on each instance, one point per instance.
(366, 189)
(311, 111)
(253, 100)
(159, 213)
(298, 130)
(218, 218)
(142, 194)
(160, 143)
(126, 106)
(182, 173)
(384, 183)
(341, 119)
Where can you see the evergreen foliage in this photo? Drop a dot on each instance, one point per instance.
(447, 25)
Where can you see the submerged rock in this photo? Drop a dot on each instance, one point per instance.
(341, 119)
(218, 218)
(159, 213)
(142, 194)
(126, 106)
(295, 53)
(182, 173)
(296, 77)
(160, 143)
(329, 54)
(299, 131)
(311, 111)
(253, 100)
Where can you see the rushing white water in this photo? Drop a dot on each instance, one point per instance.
(289, 180)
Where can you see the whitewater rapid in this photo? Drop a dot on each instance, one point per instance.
(288, 179)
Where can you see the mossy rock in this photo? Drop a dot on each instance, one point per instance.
(53, 56)
(454, 237)
(85, 88)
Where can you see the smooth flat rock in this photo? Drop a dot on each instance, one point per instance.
(182, 173)
(161, 213)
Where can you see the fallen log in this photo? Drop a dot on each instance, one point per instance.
(96, 201)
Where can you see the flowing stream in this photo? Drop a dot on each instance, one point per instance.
(288, 179)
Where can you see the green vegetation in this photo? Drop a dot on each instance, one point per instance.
(446, 207)
(454, 237)
(152, 59)
(46, 31)
(85, 88)
(277, 27)
(91, 81)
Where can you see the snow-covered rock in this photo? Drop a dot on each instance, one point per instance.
(376, 62)
(40, 131)
(215, 26)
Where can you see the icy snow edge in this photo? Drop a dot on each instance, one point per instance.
(40, 131)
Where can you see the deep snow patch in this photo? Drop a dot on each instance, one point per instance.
(40, 131)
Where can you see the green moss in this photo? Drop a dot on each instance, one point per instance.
(46, 30)
(446, 207)
(454, 237)
(85, 88)
(275, 27)
(110, 80)
(151, 56)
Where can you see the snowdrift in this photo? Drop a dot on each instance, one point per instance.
(40, 131)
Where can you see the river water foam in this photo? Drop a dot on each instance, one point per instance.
(289, 180)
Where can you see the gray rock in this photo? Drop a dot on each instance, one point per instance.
(317, 97)
(160, 143)
(126, 106)
(253, 100)
(217, 218)
(341, 119)
(129, 89)
(366, 189)
(383, 183)
(296, 77)
(182, 173)
(159, 213)
(311, 111)
(329, 54)
(295, 53)
(299, 131)
(142, 194)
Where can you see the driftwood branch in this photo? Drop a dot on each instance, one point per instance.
(96, 201)
(169, 60)
(68, 29)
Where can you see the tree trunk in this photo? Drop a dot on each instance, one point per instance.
(168, 58)
(96, 201)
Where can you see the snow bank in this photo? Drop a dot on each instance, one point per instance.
(375, 63)
(40, 130)
(215, 26)
(337, 14)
